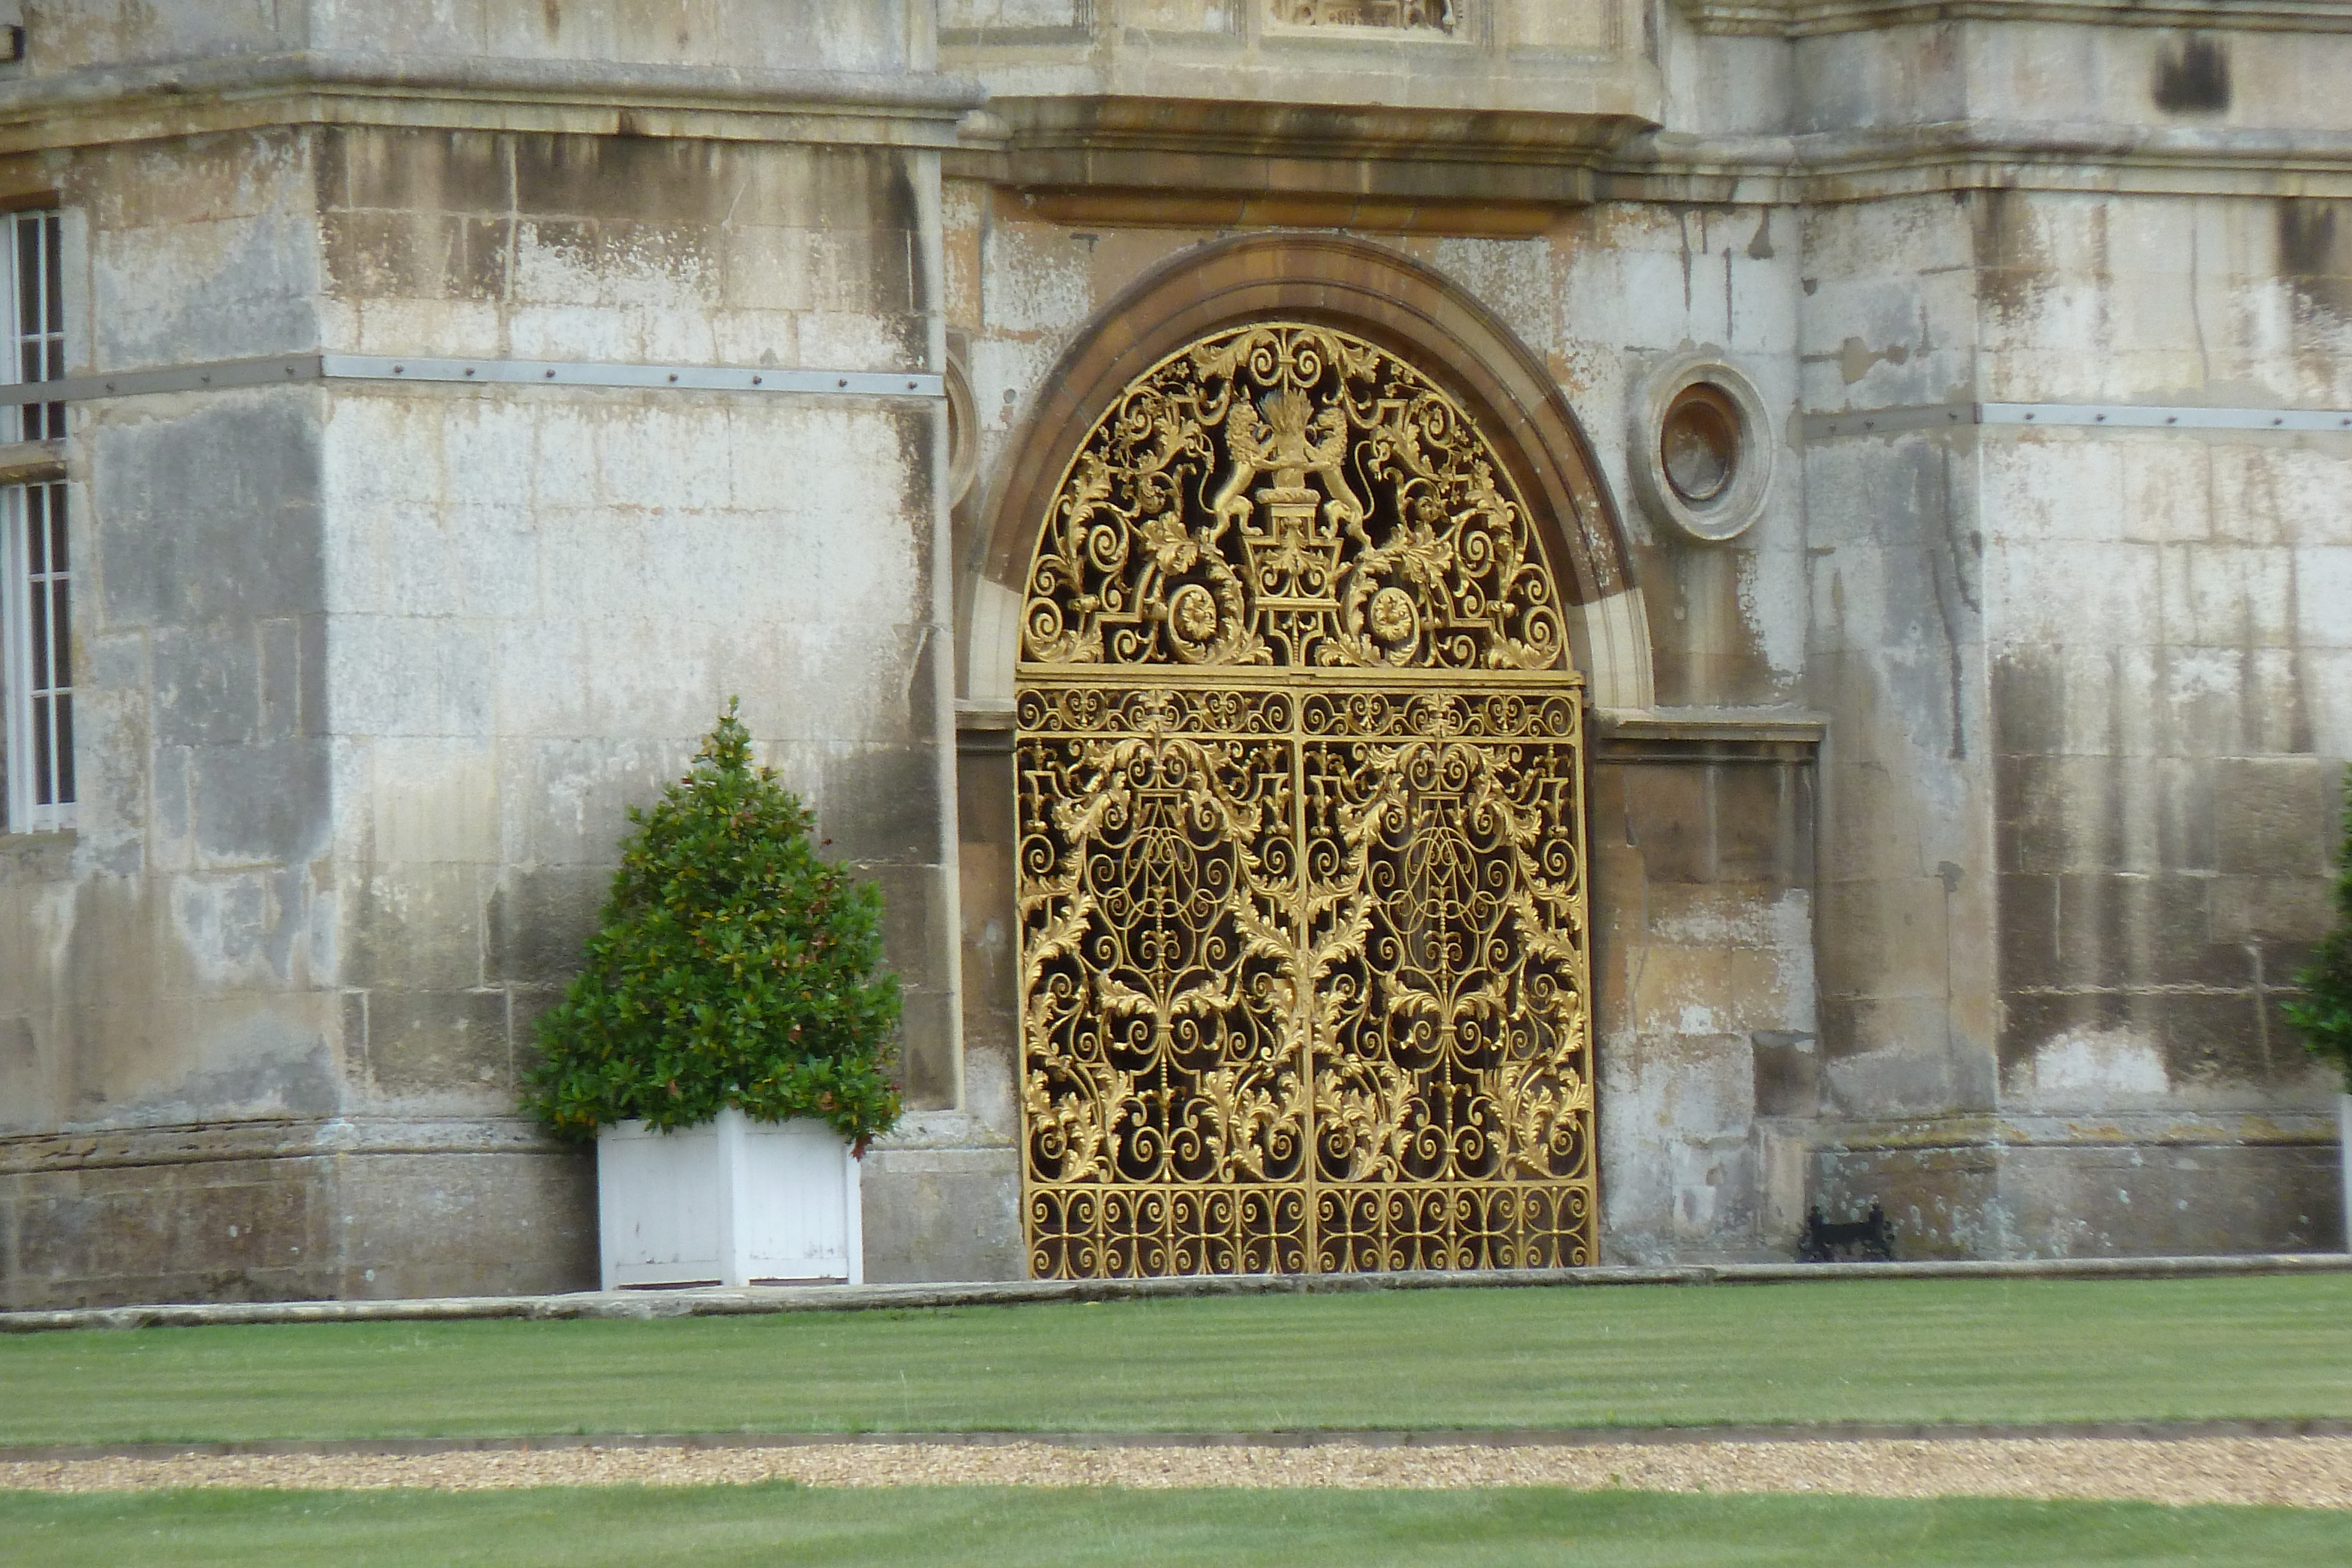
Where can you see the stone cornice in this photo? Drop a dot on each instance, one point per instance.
(243, 92)
(1868, 164)
(1803, 18)
(1131, 159)
(1162, 161)
(1043, 134)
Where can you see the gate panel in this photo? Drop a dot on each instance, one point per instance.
(1453, 1082)
(1164, 1096)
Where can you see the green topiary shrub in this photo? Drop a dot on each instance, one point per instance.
(2323, 1012)
(731, 967)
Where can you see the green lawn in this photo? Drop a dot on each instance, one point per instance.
(944, 1526)
(1881, 1350)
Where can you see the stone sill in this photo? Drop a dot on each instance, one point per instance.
(37, 857)
(117, 103)
(1692, 735)
(935, 1130)
(32, 463)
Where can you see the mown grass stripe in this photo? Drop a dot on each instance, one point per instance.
(1881, 1353)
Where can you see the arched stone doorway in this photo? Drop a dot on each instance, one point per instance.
(1300, 872)
(1380, 294)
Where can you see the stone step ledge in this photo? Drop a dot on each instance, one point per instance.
(725, 1301)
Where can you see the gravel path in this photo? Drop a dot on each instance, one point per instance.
(2307, 1472)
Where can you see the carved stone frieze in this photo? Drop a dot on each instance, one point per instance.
(1435, 14)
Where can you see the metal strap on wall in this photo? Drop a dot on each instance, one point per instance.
(289, 369)
(2108, 416)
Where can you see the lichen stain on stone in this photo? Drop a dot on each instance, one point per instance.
(1592, 376)
(210, 1014)
(1513, 277)
(257, 1065)
(2095, 1066)
(1037, 281)
(627, 264)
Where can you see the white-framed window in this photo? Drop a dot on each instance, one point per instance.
(36, 746)
(37, 320)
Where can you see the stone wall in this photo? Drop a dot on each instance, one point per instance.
(1702, 856)
(2109, 658)
(1840, 219)
(1953, 827)
(369, 673)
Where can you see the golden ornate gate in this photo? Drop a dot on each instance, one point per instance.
(1301, 856)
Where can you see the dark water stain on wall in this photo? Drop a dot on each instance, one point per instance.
(2315, 243)
(2193, 77)
(2014, 265)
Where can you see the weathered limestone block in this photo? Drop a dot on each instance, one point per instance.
(2115, 1185)
(262, 1209)
(1701, 846)
(942, 1201)
(878, 35)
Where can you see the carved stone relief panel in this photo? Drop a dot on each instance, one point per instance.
(1437, 14)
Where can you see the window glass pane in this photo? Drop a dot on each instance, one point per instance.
(56, 504)
(61, 635)
(40, 629)
(28, 276)
(54, 319)
(43, 792)
(65, 786)
(37, 533)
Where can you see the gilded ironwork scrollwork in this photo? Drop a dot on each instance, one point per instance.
(1301, 877)
(1290, 495)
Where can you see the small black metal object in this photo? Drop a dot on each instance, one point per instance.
(1822, 1242)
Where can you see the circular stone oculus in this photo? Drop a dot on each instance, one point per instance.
(1698, 444)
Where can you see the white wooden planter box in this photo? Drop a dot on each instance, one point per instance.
(731, 1202)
